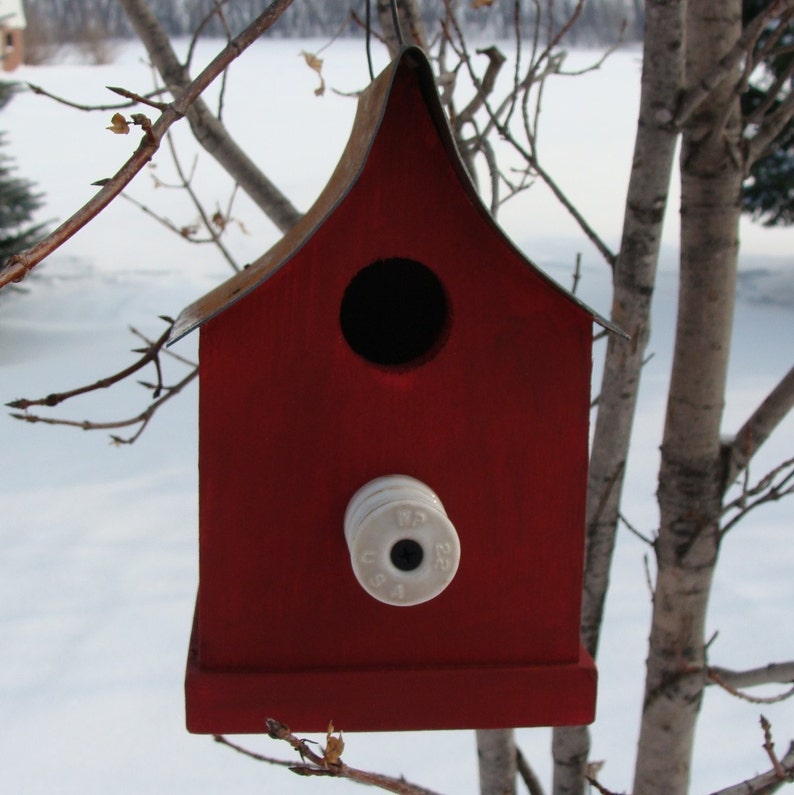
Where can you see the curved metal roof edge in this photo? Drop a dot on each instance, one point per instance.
(369, 115)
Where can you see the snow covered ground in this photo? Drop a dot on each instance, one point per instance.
(98, 543)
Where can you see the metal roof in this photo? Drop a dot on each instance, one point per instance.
(371, 108)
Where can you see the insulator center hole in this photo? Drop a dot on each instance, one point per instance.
(407, 554)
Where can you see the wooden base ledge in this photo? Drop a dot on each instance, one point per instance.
(398, 699)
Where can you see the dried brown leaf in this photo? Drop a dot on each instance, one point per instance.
(118, 125)
(334, 746)
(316, 64)
(482, 3)
(312, 61)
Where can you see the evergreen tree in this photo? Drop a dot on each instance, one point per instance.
(18, 202)
(768, 193)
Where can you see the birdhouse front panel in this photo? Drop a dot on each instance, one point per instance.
(405, 337)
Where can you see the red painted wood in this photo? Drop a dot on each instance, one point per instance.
(390, 699)
(293, 422)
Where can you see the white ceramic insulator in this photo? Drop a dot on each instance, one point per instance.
(398, 518)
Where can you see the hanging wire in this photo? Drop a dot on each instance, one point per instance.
(396, 22)
(368, 20)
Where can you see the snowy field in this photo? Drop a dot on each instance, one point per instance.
(98, 543)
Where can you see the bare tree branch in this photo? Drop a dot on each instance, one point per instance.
(527, 774)
(758, 428)
(21, 264)
(765, 783)
(774, 673)
(329, 763)
(207, 129)
(496, 60)
(134, 99)
(769, 129)
(725, 67)
(270, 760)
(776, 484)
(161, 393)
(723, 682)
(141, 420)
(150, 354)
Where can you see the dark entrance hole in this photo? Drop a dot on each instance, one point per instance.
(393, 311)
(407, 554)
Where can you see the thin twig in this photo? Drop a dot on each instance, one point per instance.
(145, 98)
(21, 264)
(54, 399)
(332, 765)
(774, 486)
(527, 774)
(138, 99)
(769, 747)
(774, 673)
(577, 273)
(765, 783)
(161, 393)
(141, 419)
(219, 738)
(600, 787)
(718, 680)
(633, 530)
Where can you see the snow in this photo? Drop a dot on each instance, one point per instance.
(98, 543)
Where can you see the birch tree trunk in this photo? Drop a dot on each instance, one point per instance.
(412, 26)
(496, 757)
(633, 283)
(690, 477)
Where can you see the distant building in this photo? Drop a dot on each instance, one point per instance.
(12, 27)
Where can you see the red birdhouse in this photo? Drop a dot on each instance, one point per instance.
(393, 455)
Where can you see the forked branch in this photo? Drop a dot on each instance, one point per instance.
(780, 773)
(725, 68)
(21, 264)
(161, 393)
(730, 681)
(327, 763)
(773, 486)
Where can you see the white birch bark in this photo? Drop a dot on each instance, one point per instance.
(634, 279)
(412, 26)
(496, 756)
(690, 477)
